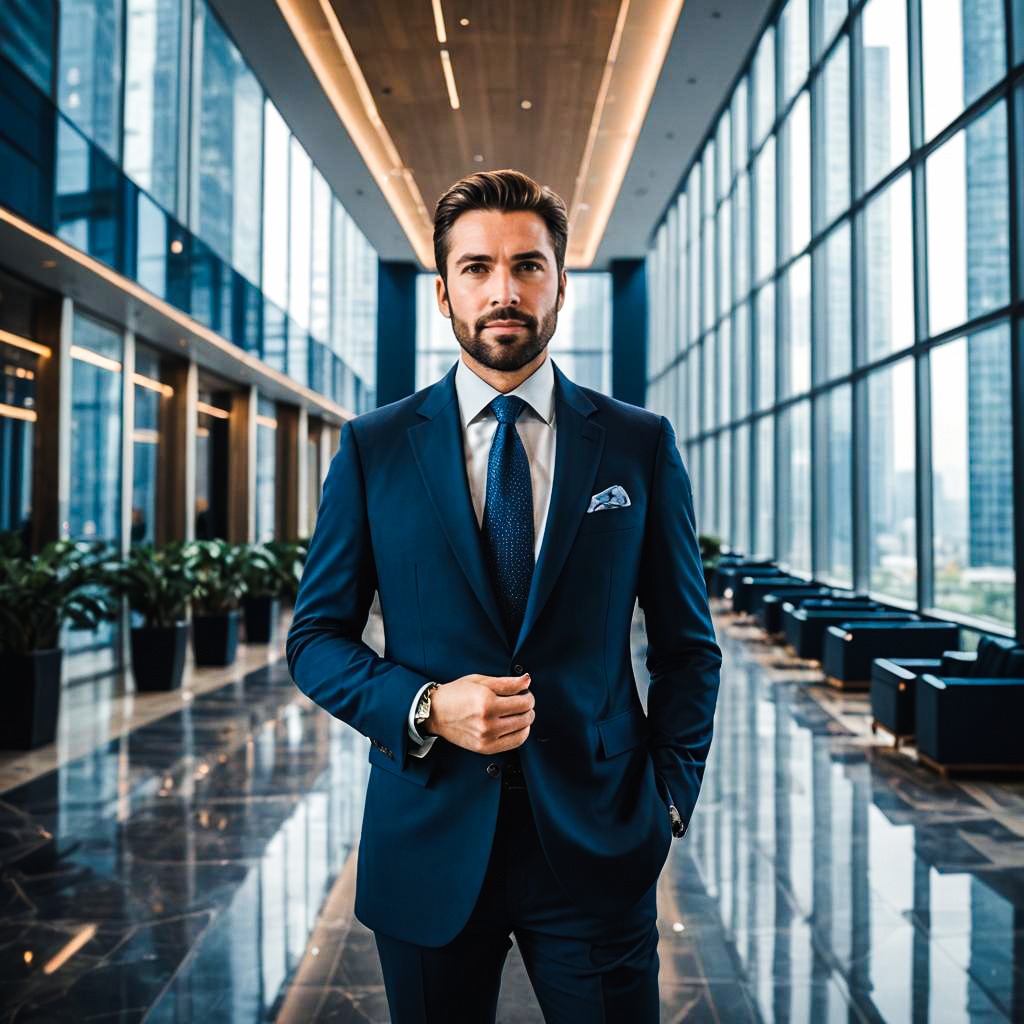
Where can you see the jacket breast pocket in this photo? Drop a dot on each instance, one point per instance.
(621, 732)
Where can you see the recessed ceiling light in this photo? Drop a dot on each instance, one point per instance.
(464, 22)
(176, 247)
(478, 157)
(526, 104)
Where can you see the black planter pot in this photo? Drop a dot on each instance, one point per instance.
(31, 699)
(158, 656)
(260, 618)
(215, 638)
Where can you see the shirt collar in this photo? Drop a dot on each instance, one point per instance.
(475, 394)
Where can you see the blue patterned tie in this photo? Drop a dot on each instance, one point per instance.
(508, 515)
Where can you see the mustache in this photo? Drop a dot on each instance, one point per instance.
(510, 314)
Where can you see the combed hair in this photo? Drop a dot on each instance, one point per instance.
(507, 191)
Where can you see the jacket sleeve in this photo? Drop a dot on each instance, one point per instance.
(683, 657)
(326, 655)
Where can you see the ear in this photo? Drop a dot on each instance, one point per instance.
(442, 297)
(562, 281)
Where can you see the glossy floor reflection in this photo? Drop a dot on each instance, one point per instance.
(201, 868)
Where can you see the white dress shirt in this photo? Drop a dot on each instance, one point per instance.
(536, 426)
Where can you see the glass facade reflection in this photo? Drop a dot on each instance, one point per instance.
(872, 177)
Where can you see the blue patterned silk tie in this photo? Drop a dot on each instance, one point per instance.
(508, 515)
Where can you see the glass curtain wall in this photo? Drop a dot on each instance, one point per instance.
(831, 302)
(581, 345)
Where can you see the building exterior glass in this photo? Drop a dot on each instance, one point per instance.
(875, 332)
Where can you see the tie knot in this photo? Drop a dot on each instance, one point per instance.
(508, 407)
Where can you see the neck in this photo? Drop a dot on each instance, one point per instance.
(504, 380)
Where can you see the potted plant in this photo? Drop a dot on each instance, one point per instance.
(157, 585)
(62, 584)
(265, 579)
(291, 557)
(218, 569)
(710, 553)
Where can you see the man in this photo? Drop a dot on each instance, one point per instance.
(509, 520)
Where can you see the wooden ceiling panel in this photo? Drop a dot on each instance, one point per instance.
(550, 52)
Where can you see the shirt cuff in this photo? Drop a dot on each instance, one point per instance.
(423, 744)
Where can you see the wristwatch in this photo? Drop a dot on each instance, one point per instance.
(423, 707)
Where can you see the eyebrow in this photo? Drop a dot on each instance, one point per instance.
(533, 254)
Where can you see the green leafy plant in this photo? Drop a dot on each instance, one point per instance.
(157, 583)
(710, 550)
(218, 568)
(264, 573)
(64, 583)
(290, 557)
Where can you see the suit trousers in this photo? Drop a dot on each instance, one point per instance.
(584, 969)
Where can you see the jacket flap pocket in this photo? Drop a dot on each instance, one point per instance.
(417, 769)
(621, 732)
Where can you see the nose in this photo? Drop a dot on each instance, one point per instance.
(503, 288)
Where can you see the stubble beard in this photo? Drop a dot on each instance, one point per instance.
(505, 352)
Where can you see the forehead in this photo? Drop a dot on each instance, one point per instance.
(493, 232)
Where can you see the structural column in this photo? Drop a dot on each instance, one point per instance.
(176, 475)
(629, 331)
(242, 467)
(396, 331)
(292, 473)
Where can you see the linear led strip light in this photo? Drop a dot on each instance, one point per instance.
(166, 310)
(312, 22)
(446, 57)
(640, 41)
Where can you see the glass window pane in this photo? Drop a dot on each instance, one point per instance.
(89, 69)
(830, 15)
(151, 97)
(300, 234)
(708, 178)
(27, 39)
(889, 291)
(797, 183)
(764, 86)
(832, 286)
(725, 370)
(708, 392)
(275, 212)
(795, 42)
(708, 274)
(694, 391)
(764, 498)
(723, 527)
(266, 463)
(963, 45)
(693, 235)
(795, 490)
(724, 149)
(834, 94)
(764, 184)
(145, 446)
(741, 360)
(972, 476)
(18, 369)
(320, 273)
(725, 263)
(766, 347)
(838, 491)
(682, 310)
(740, 126)
(741, 236)
(797, 376)
(885, 112)
(968, 223)
(708, 492)
(740, 537)
(892, 516)
(226, 132)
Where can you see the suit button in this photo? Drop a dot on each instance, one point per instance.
(493, 770)
(518, 669)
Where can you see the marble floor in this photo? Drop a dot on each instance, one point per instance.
(196, 862)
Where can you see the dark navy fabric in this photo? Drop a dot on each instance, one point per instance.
(396, 518)
(508, 514)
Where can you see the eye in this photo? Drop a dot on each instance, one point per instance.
(531, 265)
(474, 267)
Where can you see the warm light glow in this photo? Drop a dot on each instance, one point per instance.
(169, 312)
(28, 956)
(202, 431)
(360, 116)
(636, 77)
(12, 412)
(146, 436)
(86, 355)
(70, 949)
(153, 385)
(442, 36)
(449, 79)
(19, 342)
(177, 247)
(267, 421)
(212, 410)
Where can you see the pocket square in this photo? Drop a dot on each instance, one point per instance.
(612, 497)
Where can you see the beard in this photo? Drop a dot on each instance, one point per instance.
(507, 352)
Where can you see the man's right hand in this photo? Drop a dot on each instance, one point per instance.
(486, 714)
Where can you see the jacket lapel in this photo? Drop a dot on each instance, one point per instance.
(439, 452)
(578, 447)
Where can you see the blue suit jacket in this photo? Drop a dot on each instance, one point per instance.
(396, 517)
